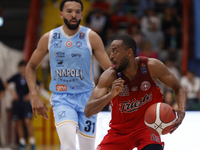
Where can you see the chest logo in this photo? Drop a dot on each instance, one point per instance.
(78, 44)
(68, 44)
(145, 86)
(143, 68)
(81, 35)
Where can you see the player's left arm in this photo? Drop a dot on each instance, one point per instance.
(99, 50)
(160, 71)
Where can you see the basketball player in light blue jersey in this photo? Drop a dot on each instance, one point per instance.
(71, 48)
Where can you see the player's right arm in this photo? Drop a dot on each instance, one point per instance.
(100, 96)
(36, 58)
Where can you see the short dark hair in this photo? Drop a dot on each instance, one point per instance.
(128, 42)
(22, 63)
(63, 2)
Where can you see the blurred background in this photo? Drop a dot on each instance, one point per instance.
(168, 30)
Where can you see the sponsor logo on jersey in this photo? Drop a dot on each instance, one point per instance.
(61, 114)
(78, 44)
(81, 35)
(59, 54)
(145, 86)
(143, 68)
(69, 73)
(133, 105)
(68, 44)
(57, 44)
(125, 91)
(155, 138)
(76, 55)
(61, 87)
(135, 88)
(59, 63)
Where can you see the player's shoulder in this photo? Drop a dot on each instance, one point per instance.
(92, 34)
(111, 72)
(45, 37)
(153, 62)
(108, 76)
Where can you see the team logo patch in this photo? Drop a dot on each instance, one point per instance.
(145, 86)
(81, 35)
(61, 115)
(78, 44)
(61, 88)
(143, 68)
(68, 44)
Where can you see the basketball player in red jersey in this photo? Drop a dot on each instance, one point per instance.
(133, 90)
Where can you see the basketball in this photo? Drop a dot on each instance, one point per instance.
(159, 118)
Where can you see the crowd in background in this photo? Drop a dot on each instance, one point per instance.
(156, 26)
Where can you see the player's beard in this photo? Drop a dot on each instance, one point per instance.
(124, 63)
(71, 27)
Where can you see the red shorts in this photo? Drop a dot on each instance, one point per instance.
(129, 140)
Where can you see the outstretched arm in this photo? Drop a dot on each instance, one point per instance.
(159, 70)
(37, 56)
(100, 96)
(99, 50)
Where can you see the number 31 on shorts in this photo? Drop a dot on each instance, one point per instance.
(90, 126)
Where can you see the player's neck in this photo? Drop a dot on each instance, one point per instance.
(70, 32)
(131, 70)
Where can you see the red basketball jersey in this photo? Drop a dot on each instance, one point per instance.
(128, 108)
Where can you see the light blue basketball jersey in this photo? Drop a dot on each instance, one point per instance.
(71, 61)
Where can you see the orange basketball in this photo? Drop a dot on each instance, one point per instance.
(159, 118)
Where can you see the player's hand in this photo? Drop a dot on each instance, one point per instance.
(181, 115)
(39, 107)
(117, 87)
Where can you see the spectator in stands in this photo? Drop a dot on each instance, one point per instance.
(169, 99)
(172, 68)
(144, 5)
(147, 51)
(21, 109)
(102, 5)
(170, 18)
(99, 23)
(160, 5)
(172, 46)
(136, 34)
(191, 84)
(173, 38)
(155, 36)
(121, 12)
(148, 19)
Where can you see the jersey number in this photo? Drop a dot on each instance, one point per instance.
(56, 36)
(90, 126)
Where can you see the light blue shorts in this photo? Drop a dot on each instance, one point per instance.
(69, 108)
